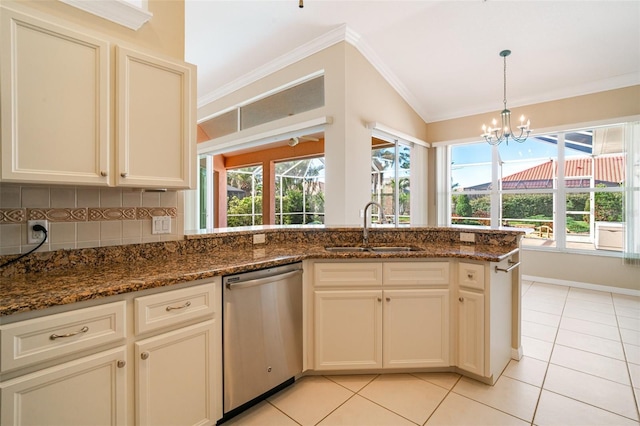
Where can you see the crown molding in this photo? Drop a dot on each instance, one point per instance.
(337, 35)
(316, 45)
(117, 11)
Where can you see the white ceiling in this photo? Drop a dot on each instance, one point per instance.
(441, 56)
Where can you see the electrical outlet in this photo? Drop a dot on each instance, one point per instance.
(34, 237)
(258, 238)
(468, 237)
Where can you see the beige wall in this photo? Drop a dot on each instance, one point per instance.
(570, 268)
(164, 33)
(600, 106)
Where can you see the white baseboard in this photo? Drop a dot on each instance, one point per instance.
(588, 286)
(516, 353)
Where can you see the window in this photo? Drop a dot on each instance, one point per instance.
(566, 186)
(299, 192)
(390, 180)
(244, 196)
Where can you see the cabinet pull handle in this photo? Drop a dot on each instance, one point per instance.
(511, 266)
(171, 308)
(59, 336)
(103, 173)
(144, 355)
(121, 364)
(461, 299)
(124, 175)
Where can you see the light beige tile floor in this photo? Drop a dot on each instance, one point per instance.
(581, 366)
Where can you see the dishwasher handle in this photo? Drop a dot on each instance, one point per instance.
(262, 281)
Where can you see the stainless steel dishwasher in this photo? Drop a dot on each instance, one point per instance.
(262, 334)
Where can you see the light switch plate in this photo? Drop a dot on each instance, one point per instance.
(258, 238)
(160, 225)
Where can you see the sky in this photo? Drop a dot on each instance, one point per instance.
(515, 157)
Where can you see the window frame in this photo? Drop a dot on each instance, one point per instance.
(559, 191)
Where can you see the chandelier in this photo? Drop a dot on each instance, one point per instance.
(495, 135)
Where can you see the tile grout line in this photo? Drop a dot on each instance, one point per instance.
(449, 391)
(546, 371)
(626, 360)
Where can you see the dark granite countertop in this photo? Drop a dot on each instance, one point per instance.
(39, 290)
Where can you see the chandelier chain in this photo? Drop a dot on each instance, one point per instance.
(504, 100)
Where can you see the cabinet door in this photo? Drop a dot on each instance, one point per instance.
(55, 103)
(87, 391)
(348, 329)
(416, 328)
(175, 377)
(156, 121)
(471, 332)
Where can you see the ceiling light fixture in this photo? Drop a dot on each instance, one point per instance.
(294, 141)
(301, 4)
(495, 135)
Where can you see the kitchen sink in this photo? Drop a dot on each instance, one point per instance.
(401, 248)
(378, 249)
(346, 249)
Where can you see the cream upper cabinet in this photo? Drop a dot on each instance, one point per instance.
(58, 91)
(156, 121)
(55, 103)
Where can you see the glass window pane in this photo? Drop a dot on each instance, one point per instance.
(578, 222)
(529, 165)
(471, 167)
(299, 195)
(532, 211)
(244, 196)
(390, 186)
(471, 209)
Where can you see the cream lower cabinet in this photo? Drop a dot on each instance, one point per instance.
(484, 318)
(175, 384)
(86, 391)
(416, 328)
(76, 367)
(348, 329)
(380, 328)
(56, 88)
(471, 332)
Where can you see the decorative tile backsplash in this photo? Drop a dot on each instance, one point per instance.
(82, 217)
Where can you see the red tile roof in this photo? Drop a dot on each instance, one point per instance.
(608, 169)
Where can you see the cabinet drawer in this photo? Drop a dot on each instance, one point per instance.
(412, 273)
(40, 339)
(173, 307)
(471, 275)
(351, 274)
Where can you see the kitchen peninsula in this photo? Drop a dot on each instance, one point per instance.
(470, 292)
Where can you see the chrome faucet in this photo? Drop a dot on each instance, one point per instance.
(365, 230)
